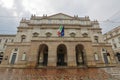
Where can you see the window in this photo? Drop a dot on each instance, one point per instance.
(4, 46)
(13, 59)
(115, 46)
(16, 49)
(12, 40)
(116, 32)
(113, 40)
(23, 37)
(1, 57)
(96, 39)
(6, 40)
(48, 34)
(72, 34)
(85, 35)
(119, 38)
(0, 40)
(35, 34)
(103, 49)
(96, 56)
(111, 35)
(24, 56)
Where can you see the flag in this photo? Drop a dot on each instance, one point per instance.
(60, 31)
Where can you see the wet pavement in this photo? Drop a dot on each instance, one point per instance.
(54, 74)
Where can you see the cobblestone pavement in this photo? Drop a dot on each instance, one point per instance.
(114, 71)
(54, 74)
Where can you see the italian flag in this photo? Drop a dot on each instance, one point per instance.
(60, 31)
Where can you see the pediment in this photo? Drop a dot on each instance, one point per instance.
(61, 16)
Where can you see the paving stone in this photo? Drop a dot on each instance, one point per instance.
(54, 74)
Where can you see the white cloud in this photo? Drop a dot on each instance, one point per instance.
(7, 3)
(38, 7)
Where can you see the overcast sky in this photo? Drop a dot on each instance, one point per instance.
(107, 12)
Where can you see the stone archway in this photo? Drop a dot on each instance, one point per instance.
(80, 59)
(61, 55)
(42, 55)
(118, 56)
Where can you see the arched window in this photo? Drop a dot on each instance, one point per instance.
(23, 38)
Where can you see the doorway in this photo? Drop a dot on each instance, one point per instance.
(42, 55)
(80, 60)
(61, 55)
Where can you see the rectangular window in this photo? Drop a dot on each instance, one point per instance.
(6, 40)
(119, 38)
(12, 40)
(96, 39)
(96, 57)
(24, 56)
(105, 58)
(0, 40)
(115, 46)
(1, 57)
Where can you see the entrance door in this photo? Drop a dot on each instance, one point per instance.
(61, 55)
(13, 58)
(79, 55)
(105, 58)
(43, 55)
(45, 59)
(60, 60)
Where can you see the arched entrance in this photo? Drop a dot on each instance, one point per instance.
(61, 55)
(42, 55)
(80, 59)
(118, 56)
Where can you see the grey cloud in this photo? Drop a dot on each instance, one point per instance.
(96, 9)
(9, 22)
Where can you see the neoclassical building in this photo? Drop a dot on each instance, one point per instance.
(113, 37)
(37, 44)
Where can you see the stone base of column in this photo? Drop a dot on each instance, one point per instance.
(52, 65)
(72, 64)
(31, 64)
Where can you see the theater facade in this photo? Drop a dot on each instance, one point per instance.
(58, 40)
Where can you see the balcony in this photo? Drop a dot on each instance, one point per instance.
(85, 39)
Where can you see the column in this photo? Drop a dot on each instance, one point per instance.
(52, 55)
(71, 55)
(33, 55)
(89, 54)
